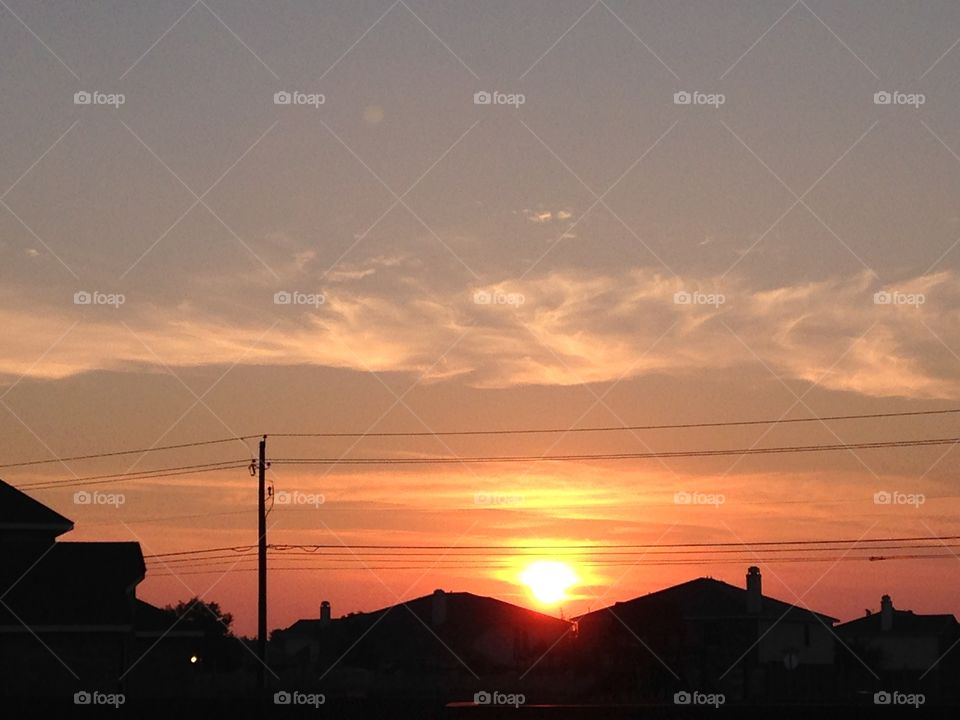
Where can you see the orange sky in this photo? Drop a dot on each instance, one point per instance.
(201, 261)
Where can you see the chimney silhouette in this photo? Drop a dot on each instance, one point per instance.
(886, 613)
(439, 608)
(325, 613)
(754, 592)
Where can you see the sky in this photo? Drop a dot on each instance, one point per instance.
(587, 249)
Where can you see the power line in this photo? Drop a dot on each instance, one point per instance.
(234, 548)
(618, 456)
(573, 546)
(381, 554)
(625, 563)
(510, 431)
(117, 453)
(243, 463)
(238, 463)
(125, 477)
(614, 428)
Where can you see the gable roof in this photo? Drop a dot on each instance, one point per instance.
(19, 511)
(465, 613)
(705, 598)
(905, 622)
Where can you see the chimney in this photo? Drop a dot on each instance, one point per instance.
(439, 609)
(325, 613)
(886, 613)
(754, 594)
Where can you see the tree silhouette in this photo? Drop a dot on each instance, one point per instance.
(201, 615)
(218, 649)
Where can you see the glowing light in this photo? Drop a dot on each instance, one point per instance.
(193, 659)
(549, 580)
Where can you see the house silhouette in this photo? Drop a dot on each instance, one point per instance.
(906, 650)
(708, 635)
(434, 645)
(69, 616)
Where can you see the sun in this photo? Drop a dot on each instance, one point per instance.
(548, 580)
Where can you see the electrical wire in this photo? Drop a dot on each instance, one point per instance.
(614, 428)
(753, 544)
(146, 475)
(509, 431)
(618, 456)
(118, 453)
(487, 566)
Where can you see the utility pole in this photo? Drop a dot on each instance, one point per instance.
(262, 565)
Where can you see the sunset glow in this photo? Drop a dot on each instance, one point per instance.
(416, 340)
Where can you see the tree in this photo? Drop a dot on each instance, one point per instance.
(201, 615)
(219, 649)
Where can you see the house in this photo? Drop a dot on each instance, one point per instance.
(447, 645)
(900, 649)
(67, 608)
(709, 636)
(69, 616)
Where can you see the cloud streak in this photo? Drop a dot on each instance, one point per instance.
(556, 329)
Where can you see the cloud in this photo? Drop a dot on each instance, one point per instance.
(556, 329)
(542, 217)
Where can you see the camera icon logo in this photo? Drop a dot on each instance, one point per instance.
(482, 297)
(682, 698)
(82, 298)
(882, 698)
(682, 97)
(282, 298)
(282, 698)
(82, 97)
(82, 497)
(882, 498)
(482, 97)
(82, 698)
(682, 298)
(282, 497)
(882, 97)
(482, 698)
(282, 97)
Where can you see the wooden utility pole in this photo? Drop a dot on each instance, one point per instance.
(262, 565)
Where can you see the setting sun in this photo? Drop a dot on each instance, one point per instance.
(548, 580)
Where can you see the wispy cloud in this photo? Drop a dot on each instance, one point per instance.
(556, 329)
